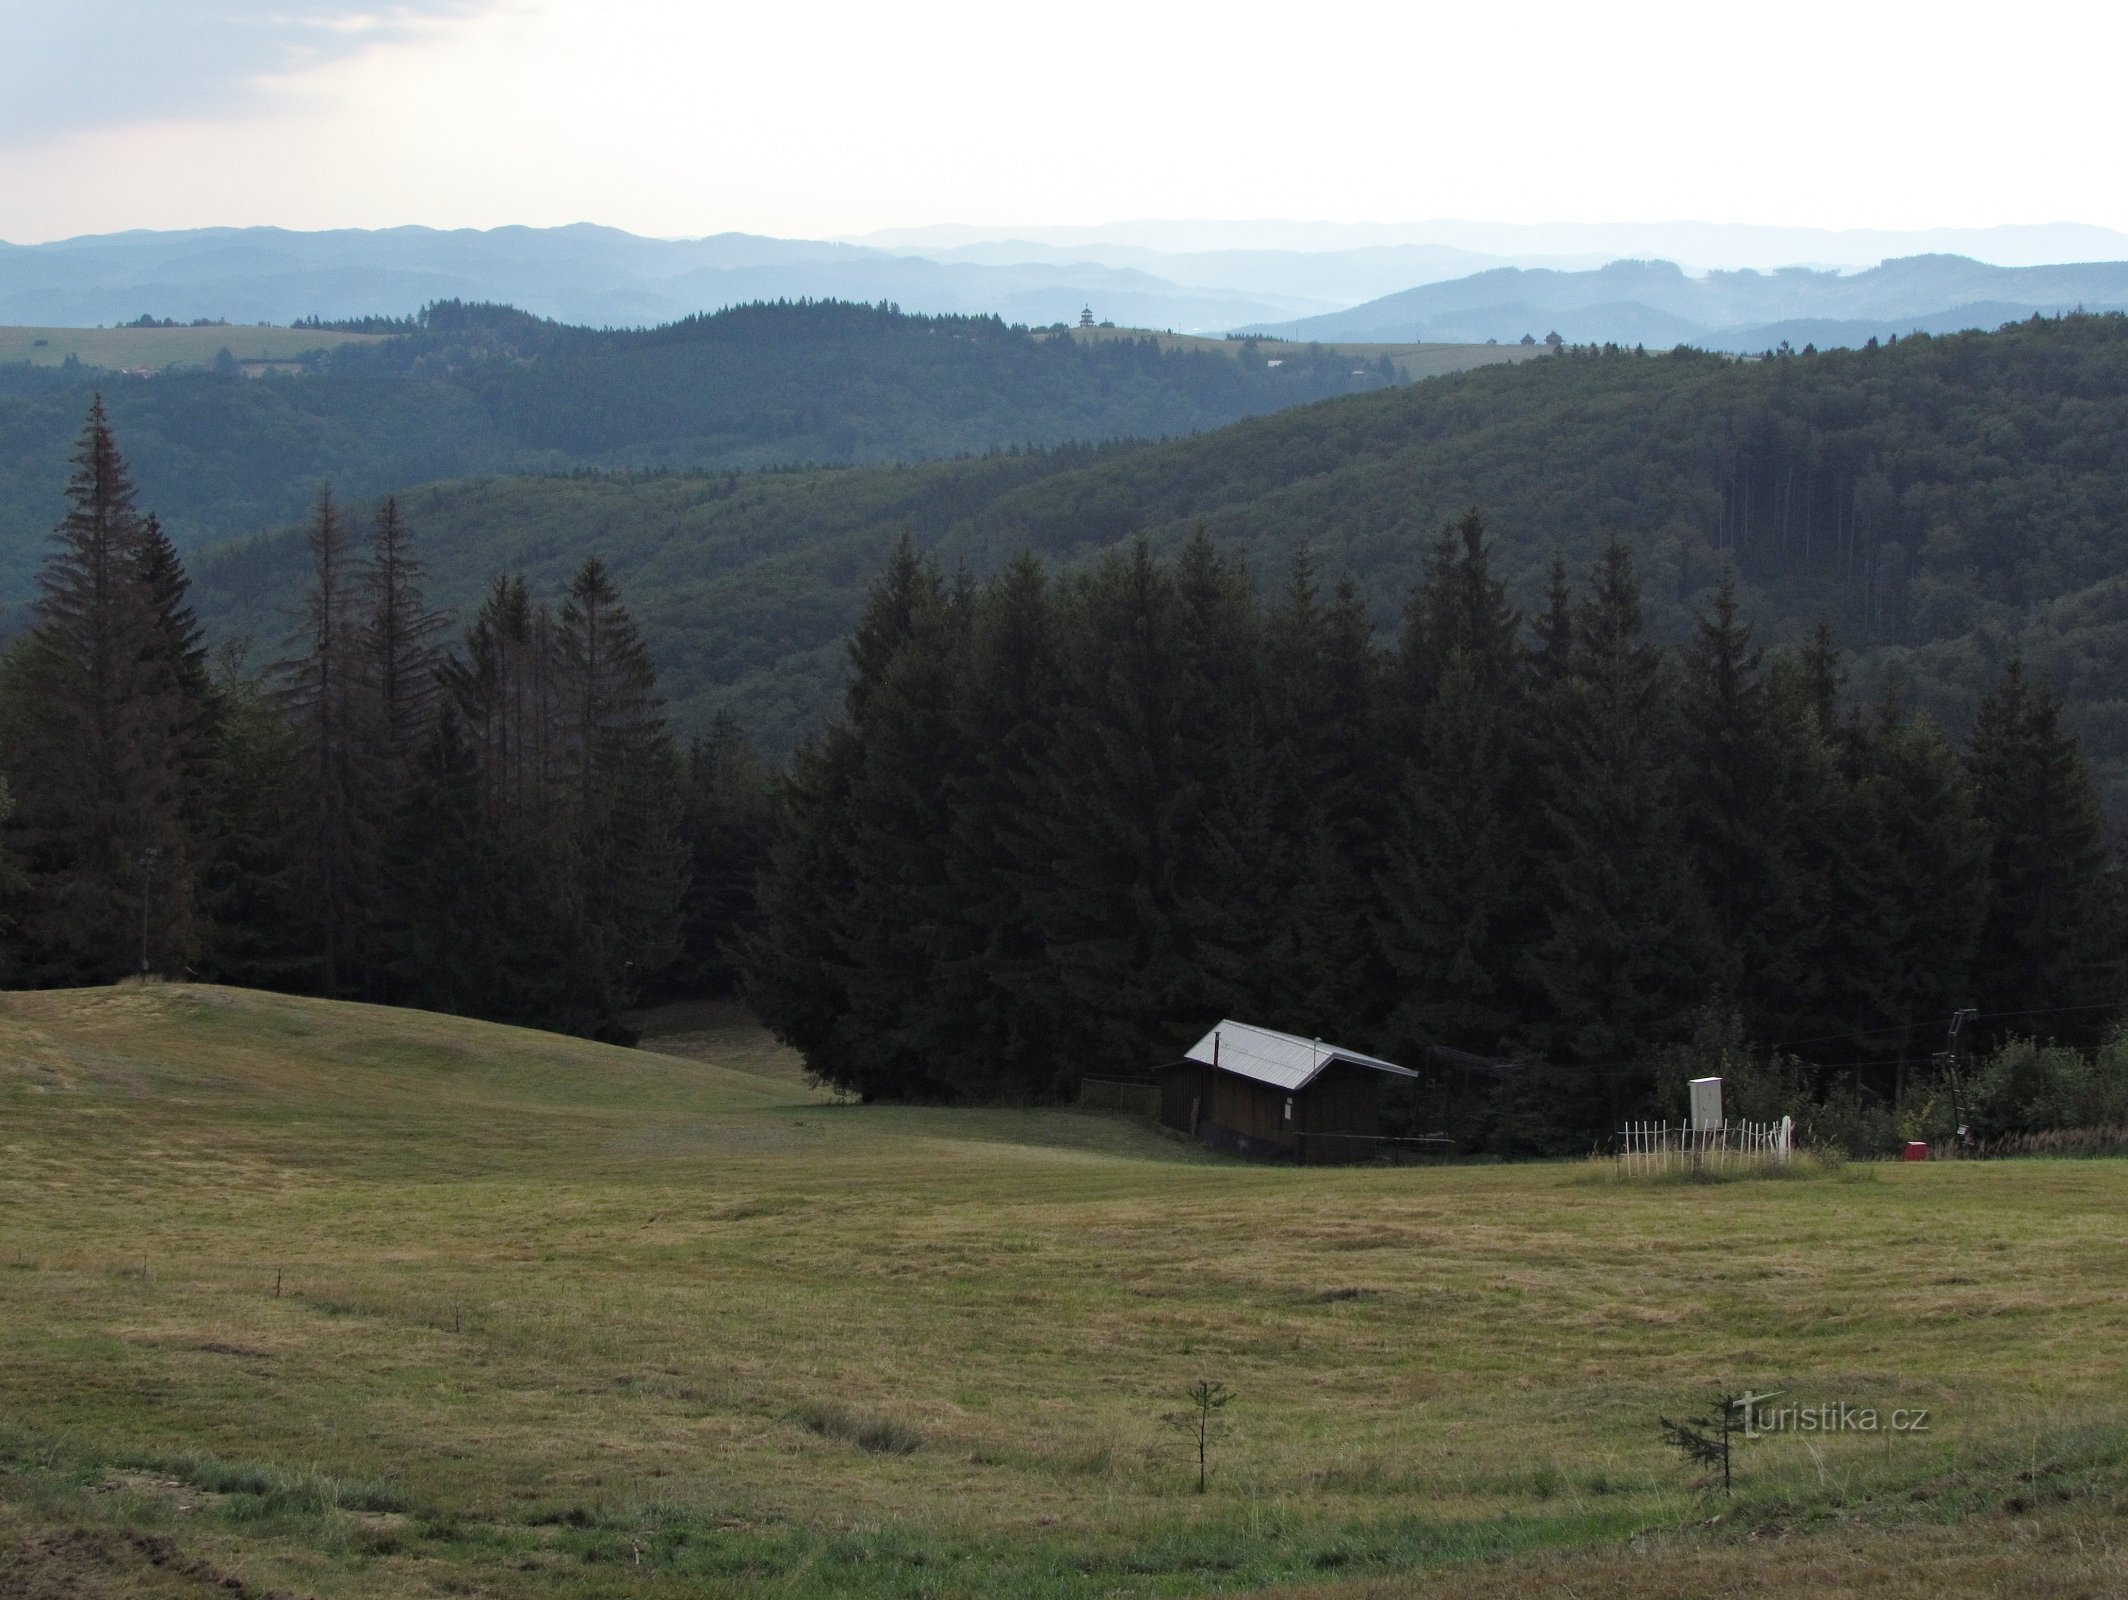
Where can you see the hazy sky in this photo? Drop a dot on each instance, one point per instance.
(689, 118)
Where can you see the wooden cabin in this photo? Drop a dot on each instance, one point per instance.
(1258, 1092)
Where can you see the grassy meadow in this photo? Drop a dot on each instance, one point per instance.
(306, 1298)
(123, 349)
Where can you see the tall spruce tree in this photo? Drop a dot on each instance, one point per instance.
(401, 636)
(725, 817)
(495, 691)
(899, 926)
(1118, 802)
(1621, 964)
(107, 737)
(1456, 906)
(1756, 773)
(813, 971)
(2049, 945)
(257, 934)
(1909, 893)
(791, 963)
(1231, 898)
(1325, 759)
(995, 1005)
(620, 790)
(330, 692)
(450, 892)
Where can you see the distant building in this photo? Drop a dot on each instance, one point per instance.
(1258, 1092)
(1086, 316)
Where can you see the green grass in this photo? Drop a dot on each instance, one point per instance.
(559, 1319)
(122, 349)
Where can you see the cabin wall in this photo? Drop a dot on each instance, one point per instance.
(1333, 1119)
(1339, 1114)
(1253, 1110)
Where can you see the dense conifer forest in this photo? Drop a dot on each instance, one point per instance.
(1068, 814)
(469, 389)
(492, 820)
(1066, 819)
(1945, 503)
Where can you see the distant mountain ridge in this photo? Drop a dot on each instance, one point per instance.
(1702, 246)
(1655, 303)
(1473, 282)
(582, 274)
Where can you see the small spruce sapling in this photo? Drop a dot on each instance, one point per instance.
(1705, 1440)
(1207, 1399)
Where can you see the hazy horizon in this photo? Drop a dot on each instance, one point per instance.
(1697, 245)
(671, 121)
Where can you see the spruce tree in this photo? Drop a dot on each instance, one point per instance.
(445, 882)
(1325, 759)
(1910, 890)
(1112, 831)
(499, 685)
(899, 926)
(1226, 866)
(2048, 949)
(1621, 963)
(400, 638)
(332, 703)
(619, 788)
(1456, 906)
(994, 1003)
(812, 971)
(107, 737)
(791, 965)
(1756, 774)
(256, 933)
(725, 817)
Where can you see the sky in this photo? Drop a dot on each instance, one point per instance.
(680, 118)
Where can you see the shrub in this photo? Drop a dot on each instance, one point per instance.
(2027, 1087)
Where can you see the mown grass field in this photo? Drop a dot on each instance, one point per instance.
(123, 349)
(319, 1299)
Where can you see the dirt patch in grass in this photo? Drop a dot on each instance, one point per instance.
(114, 1564)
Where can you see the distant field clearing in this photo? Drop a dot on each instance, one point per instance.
(1412, 360)
(124, 349)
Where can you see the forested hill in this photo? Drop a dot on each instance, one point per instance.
(466, 390)
(1943, 502)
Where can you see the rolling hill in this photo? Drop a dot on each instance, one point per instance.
(481, 389)
(1943, 502)
(1654, 303)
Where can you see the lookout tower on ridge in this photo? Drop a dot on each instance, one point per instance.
(1086, 316)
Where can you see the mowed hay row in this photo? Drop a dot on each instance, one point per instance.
(587, 1318)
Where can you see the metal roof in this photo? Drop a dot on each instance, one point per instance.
(1283, 1060)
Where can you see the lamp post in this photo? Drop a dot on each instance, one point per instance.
(147, 863)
